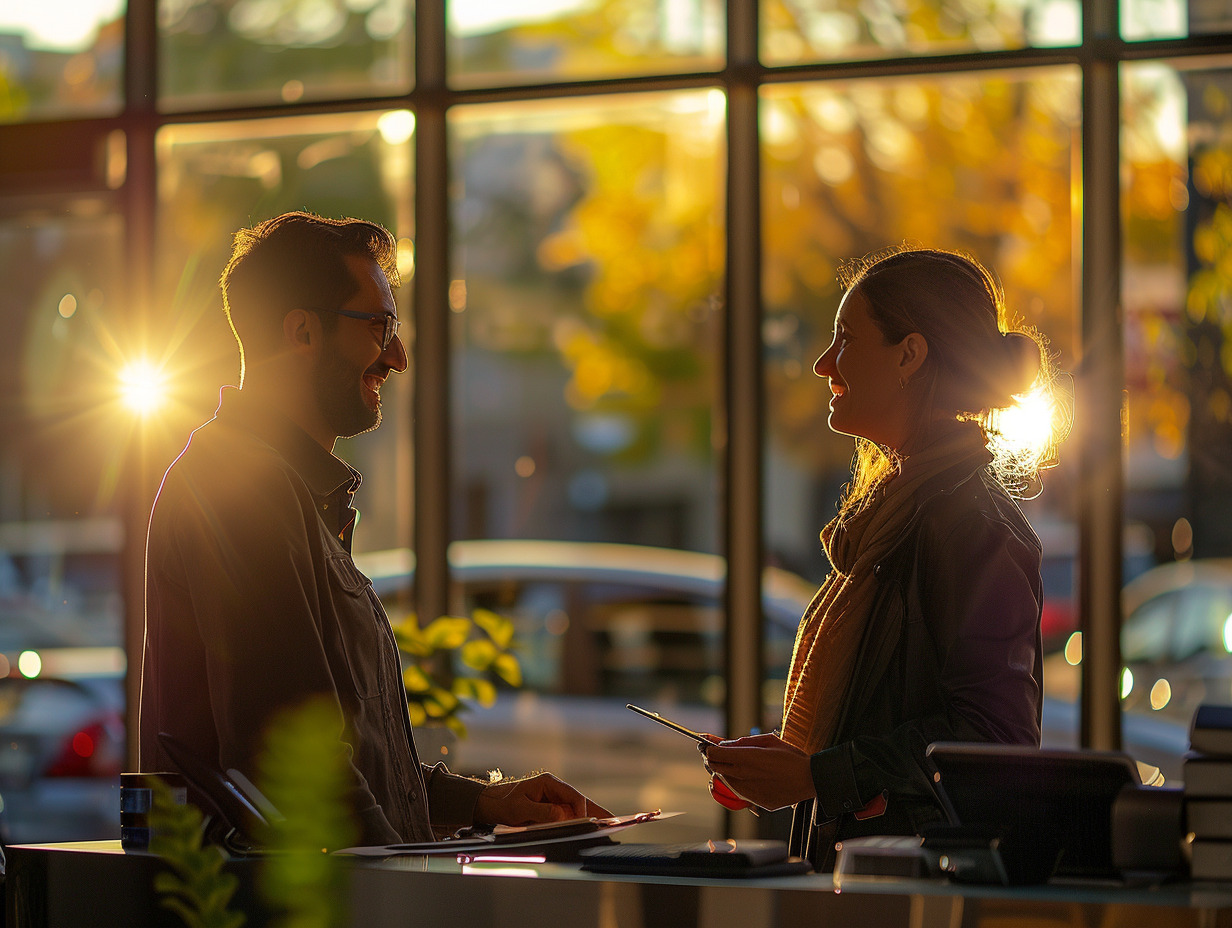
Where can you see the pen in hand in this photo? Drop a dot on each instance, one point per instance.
(723, 794)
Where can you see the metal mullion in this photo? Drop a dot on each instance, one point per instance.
(1100, 383)
(922, 65)
(742, 388)
(1219, 43)
(139, 122)
(432, 481)
(753, 71)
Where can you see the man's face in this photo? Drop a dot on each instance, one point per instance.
(352, 365)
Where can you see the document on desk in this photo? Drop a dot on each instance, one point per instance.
(522, 837)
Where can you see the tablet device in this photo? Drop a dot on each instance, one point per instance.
(1051, 810)
(716, 858)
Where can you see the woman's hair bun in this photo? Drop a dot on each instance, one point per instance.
(1022, 362)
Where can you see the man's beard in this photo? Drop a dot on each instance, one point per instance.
(339, 397)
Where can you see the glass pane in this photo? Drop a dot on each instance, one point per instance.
(495, 43)
(588, 259)
(985, 164)
(66, 440)
(1173, 19)
(219, 52)
(1177, 205)
(60, 58)
(216, 178)
(796, 31)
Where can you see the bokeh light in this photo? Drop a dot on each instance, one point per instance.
(1073, 649)
(1161, 694)
(30, 664)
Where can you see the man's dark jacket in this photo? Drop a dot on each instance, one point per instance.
(254, 606)
(952, 652)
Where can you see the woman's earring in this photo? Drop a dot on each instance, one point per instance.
(902, 383)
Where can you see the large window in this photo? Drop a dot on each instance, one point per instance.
(572, 183)
(850, 167)
(59, 59)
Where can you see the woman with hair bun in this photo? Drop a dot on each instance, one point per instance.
(928, 626)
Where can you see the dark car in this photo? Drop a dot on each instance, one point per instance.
(601, 625)
(62, 750)
(1059, 571)
(1177, 639)
(1176, 647)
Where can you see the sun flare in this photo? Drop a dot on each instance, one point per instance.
(143, 387)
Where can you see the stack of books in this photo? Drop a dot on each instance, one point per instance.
(1208, 793)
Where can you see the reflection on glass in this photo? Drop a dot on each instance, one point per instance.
(795, 31)
(588, 262)
(216, 178)
(63, 430)
(60, 59)
(542, 40)
(214, 52)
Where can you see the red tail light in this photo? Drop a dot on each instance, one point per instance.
(91, 751)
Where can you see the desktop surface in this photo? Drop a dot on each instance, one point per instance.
(98, 883)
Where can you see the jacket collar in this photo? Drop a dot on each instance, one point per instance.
(324, 473)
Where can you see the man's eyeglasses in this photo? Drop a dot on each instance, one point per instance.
(391, 322)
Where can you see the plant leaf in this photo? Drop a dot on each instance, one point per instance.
(448, 632)
(476, 688)
(485, 692)
(411, 639)
(415, 680)
(443, 698)
(508, 669)
(479, 654)
(498, 628)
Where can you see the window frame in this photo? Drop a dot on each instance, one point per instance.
(1098, 445)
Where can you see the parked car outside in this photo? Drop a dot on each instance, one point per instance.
(602, 625)
(62, 747)
(1059, 571)
(1176, 647)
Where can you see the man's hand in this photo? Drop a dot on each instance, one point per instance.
(529, 801)
(763, 769)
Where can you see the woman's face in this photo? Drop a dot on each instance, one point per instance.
(864, 371)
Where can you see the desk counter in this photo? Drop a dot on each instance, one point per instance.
(97, 884)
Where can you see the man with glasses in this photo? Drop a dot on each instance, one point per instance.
(253, 603)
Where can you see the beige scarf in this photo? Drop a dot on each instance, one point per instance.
(832, 628)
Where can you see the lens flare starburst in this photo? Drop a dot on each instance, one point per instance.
(143, 387)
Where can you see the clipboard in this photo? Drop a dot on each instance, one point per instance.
(553, 840)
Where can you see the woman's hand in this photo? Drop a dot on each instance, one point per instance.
(541, 798)
(763, 769)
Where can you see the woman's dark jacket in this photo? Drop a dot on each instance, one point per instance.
(951, 653)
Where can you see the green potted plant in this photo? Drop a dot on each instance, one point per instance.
(453, 663)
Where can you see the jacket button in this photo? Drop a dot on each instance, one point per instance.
(847, 805)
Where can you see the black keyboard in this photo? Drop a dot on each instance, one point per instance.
(649, 851)
(703, 859)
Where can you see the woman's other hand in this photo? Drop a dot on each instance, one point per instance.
(762, 769)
